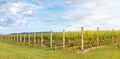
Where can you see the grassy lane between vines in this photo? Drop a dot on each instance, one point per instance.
(14, 51)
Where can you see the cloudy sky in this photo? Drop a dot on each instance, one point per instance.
(44, 15)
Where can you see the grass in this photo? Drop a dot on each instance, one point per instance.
(14, 51)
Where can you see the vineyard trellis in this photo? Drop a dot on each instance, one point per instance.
(83, 39)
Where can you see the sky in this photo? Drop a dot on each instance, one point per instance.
(18, 16)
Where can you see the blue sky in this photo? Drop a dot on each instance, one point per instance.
(45, 15)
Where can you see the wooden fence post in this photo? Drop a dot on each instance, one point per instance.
(41, 39)
(113, 37)
(9, 38)
(29, 39)
(82, 39)
(38, 40)
(69, 42)
(17, 38)
(55, 47)
(63, 34)
(20, 38)
(51, 39)
(98, 43)
(34, 39)
(14, 37)
(24, 38)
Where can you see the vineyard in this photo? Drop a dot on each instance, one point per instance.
(82, 40)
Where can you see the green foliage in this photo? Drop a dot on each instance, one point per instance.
(88, 35)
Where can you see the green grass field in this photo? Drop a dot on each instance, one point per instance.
(13, 51)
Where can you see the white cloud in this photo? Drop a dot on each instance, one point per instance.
(89, 13)
(93, 13)
(18, 13)
(69, 14)
(21, 8)
(29, 12)
(1, 20)
(14, 8)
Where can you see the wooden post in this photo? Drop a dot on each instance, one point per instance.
(11, 38)
(51, 39)
(14, 38)
(113, 36)
(98, 43)
(41, 39)
(74, 49)
(69, 43)
(29, 39)
(34, 39)
(17, 38)
(82, 39)
(63, 38)
(55, 47)
(38, 40)
(24, 38)
(8, 38)
(20, 38)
